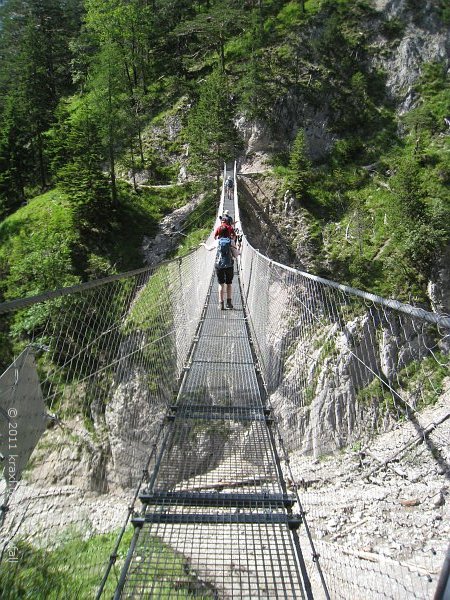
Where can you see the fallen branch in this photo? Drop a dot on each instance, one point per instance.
(220, 485)
(397, 471)
(414, 442)
(343, 533)
(378, 558)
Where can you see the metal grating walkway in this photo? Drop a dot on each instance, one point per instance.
(217, 521)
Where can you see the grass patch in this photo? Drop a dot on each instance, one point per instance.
(167, 573)
(420, 383)
(151, 302)
(36, 247)
(423, 380)
(375, 393)
(152, 315)
(74, 570)
(41, 248)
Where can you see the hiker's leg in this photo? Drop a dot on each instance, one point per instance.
(229, 301)
(221, 291)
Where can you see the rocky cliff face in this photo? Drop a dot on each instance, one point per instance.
(325, 399)
(423, 39)
(132, 419)
(439, 284)
(419, 37)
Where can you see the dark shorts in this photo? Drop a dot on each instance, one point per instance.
(225, 275)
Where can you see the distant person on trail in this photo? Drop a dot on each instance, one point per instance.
(229, 186)
(226, 252)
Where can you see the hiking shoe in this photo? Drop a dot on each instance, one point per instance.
(229, 304)
(221, 306)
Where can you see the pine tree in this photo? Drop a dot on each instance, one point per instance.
(16, 158)
(212, 28)
(300, 166)
(119, 75)
(34, 66)
(212, 136)
(77, 158)
(408, 203)
(416, 234)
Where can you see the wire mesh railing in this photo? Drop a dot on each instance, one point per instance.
(216, 496)
(131, 388)
(82, 407)
(360, 389)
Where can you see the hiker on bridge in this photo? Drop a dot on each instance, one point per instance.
(228, 218)
(225, 221)
(235, 233)
(226, 252)
(229, 186)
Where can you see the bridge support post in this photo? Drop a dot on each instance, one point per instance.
(126, 566)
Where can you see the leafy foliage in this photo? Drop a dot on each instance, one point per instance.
(77, 164)
(212, 28)
(417, 236)
(81, 82)
(211, 132)
(33, 62)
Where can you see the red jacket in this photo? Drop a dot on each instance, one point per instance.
(229, 228)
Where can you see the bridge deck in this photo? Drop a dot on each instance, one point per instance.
(216, 519)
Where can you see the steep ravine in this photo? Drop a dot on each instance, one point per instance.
(348, 508)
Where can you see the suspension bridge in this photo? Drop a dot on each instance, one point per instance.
(155, 446)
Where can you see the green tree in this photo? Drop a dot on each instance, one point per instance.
(408, 203)
(34, 62)
(108, 101)
(77, 162)
(417, 236)
(253, 89)
(211, 29)
(16, 158)
(119, 75)
(212, 136)
(300, 166)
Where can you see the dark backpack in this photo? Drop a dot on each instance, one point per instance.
(224, 258)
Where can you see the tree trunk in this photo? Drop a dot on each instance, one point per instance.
(112, 161)
(222, 53)
(41, 162)
(112, 170)
(219, 169)
(133, 166)
(141, 146)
